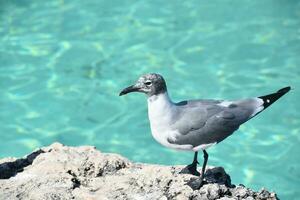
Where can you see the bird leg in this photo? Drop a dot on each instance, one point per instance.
(205, 156)
(192, 168)
(196, 184)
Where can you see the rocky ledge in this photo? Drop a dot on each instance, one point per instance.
(62, 172)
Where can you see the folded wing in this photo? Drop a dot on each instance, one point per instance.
(201, 122)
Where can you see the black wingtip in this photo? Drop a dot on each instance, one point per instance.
(271, 98)
(284, 90)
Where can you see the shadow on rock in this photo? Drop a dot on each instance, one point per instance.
(11, 168)
(212, 175)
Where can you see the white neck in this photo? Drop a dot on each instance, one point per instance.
(160, 112)
(159, 107)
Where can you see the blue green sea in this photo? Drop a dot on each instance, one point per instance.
(63, 64)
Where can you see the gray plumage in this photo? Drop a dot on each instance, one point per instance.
(207, 121)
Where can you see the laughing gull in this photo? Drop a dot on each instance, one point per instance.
(195, 124)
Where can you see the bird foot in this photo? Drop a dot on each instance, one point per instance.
(190, 169)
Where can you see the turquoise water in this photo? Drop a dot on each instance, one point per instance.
(63, 63)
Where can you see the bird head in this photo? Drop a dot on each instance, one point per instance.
(150, 84)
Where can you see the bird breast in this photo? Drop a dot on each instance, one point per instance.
(160, 116)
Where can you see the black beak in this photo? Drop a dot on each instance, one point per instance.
(129, 89)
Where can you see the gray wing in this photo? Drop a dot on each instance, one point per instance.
(209, 121)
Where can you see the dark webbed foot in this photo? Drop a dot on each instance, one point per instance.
(190, 169)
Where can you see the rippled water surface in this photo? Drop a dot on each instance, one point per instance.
(63, 63)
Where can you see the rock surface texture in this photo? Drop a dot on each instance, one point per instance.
(62, 172)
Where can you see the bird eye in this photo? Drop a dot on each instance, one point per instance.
(148, 83)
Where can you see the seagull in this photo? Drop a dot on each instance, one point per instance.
(195, 125)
